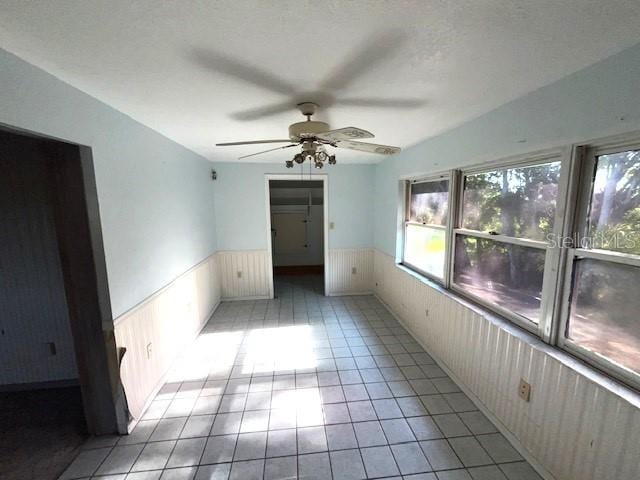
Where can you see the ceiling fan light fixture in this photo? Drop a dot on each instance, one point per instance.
(313, 137)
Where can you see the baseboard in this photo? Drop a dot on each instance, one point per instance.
(539, 468)
(240, 299)
(347, 294)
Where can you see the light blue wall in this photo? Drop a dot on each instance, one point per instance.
(160, 210)
(240, 201)
(156, 197)
(600, 100)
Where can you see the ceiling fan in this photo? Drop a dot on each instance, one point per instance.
(314, 136)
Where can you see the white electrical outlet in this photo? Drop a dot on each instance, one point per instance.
(149, 351)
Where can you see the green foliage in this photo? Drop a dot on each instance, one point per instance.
(518, 202)
(614, 219)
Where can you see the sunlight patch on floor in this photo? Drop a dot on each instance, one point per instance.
(211, 352)
(279, 349)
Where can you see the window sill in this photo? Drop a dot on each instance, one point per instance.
(434, 281)
(580, 367)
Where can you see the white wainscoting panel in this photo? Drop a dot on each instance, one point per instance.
(341, 277)
(573, 427)
(158, 330)
(244, 274)
(255, 278)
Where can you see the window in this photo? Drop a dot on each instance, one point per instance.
(604, 269)
(550, 241)
(614, 207)
(500, 273)
(516, 202)
(500, 250)
(426, 221)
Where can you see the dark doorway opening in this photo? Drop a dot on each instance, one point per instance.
(57, 382)
(297, 234)
(42, 430)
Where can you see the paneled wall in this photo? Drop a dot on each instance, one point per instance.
(573, 427)
(244, 274)
(350, 271)
(158, 330)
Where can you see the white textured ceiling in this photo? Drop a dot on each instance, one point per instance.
(189, 69)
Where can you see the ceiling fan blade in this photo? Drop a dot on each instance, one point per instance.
(267, 151)
(251, 142)
(382, 102)
(218, 62)
(347, 133)
(262, 112)
(368, 147)
(356, 64)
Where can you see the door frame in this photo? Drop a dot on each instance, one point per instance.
(81, 249)
(321, 177)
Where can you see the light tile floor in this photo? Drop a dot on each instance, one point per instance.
(309, 387)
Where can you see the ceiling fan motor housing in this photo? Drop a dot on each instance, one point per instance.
(307, 129)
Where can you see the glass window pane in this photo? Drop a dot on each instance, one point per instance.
(424, 249)
(614, 217)
(507, 275)
(429, 202)
(604, 311)
(518, 202)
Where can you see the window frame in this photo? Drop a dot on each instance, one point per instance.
(551, 278)
(406, 214)
(577, 175)
(584, 180)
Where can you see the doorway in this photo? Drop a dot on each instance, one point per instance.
(297, 216)
(55, 381)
